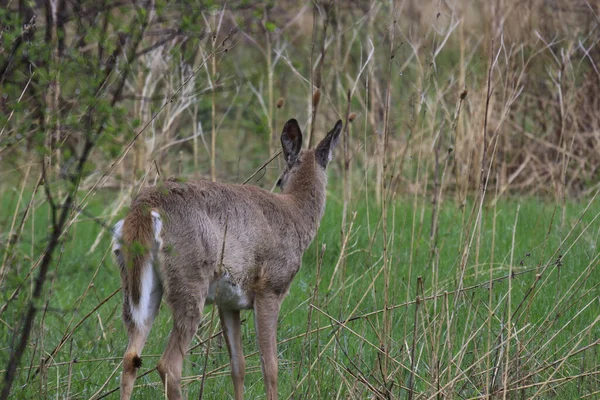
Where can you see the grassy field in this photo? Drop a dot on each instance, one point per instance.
(445, 334)
(458, 256)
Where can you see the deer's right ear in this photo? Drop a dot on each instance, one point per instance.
(291, 141)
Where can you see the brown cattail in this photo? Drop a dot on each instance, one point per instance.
(351, 116)
(316, 97)
(280, 102)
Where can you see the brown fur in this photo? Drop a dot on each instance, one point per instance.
(131, 361)
(213, 230)
(137, 240)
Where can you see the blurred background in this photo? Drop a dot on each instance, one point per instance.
(212, 85)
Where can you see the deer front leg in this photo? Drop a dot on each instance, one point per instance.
(232, 330)
(266, 311)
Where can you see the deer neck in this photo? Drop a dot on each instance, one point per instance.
(306, 190)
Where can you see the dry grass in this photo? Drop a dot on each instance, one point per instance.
(436, 273)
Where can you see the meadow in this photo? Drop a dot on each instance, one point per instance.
(333, 338)
(458, 254)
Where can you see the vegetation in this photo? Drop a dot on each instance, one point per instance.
(458, 256)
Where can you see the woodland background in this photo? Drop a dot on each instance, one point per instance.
(458, 257)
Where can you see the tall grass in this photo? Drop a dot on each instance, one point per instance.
(523, 320)
(458, 256)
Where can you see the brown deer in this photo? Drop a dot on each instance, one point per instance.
(235, 246)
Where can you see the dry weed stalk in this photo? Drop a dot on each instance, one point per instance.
(451, 116)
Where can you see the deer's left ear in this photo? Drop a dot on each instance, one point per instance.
(291, 140)
(324, 150)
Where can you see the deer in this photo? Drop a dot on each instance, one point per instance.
(237, 247)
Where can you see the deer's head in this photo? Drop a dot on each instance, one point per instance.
(291, 143)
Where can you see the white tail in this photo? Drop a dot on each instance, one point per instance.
(149, 285)
(238, 247)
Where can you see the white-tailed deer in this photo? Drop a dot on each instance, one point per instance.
(238, 247)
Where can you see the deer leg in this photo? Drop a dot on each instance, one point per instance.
(266, 311)
(132, 361)
(137, 333)
(232, 330)
(186, 318)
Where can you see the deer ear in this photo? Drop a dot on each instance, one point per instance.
(324, 150)
(291, 141)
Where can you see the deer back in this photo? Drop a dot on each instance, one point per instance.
(255, 236)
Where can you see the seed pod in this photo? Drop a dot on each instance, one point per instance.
(280, 102)
(351, 116)
(316, 97)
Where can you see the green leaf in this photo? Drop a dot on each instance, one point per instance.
(270, 26)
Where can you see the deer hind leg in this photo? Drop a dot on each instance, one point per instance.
(186, 318)
(137, 318)
(266, 311)
(232, 330)
(131, 360)
(138, 333)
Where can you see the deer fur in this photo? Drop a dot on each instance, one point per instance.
(239, 247)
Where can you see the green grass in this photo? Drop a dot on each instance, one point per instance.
(504, 296)
(550, 322)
